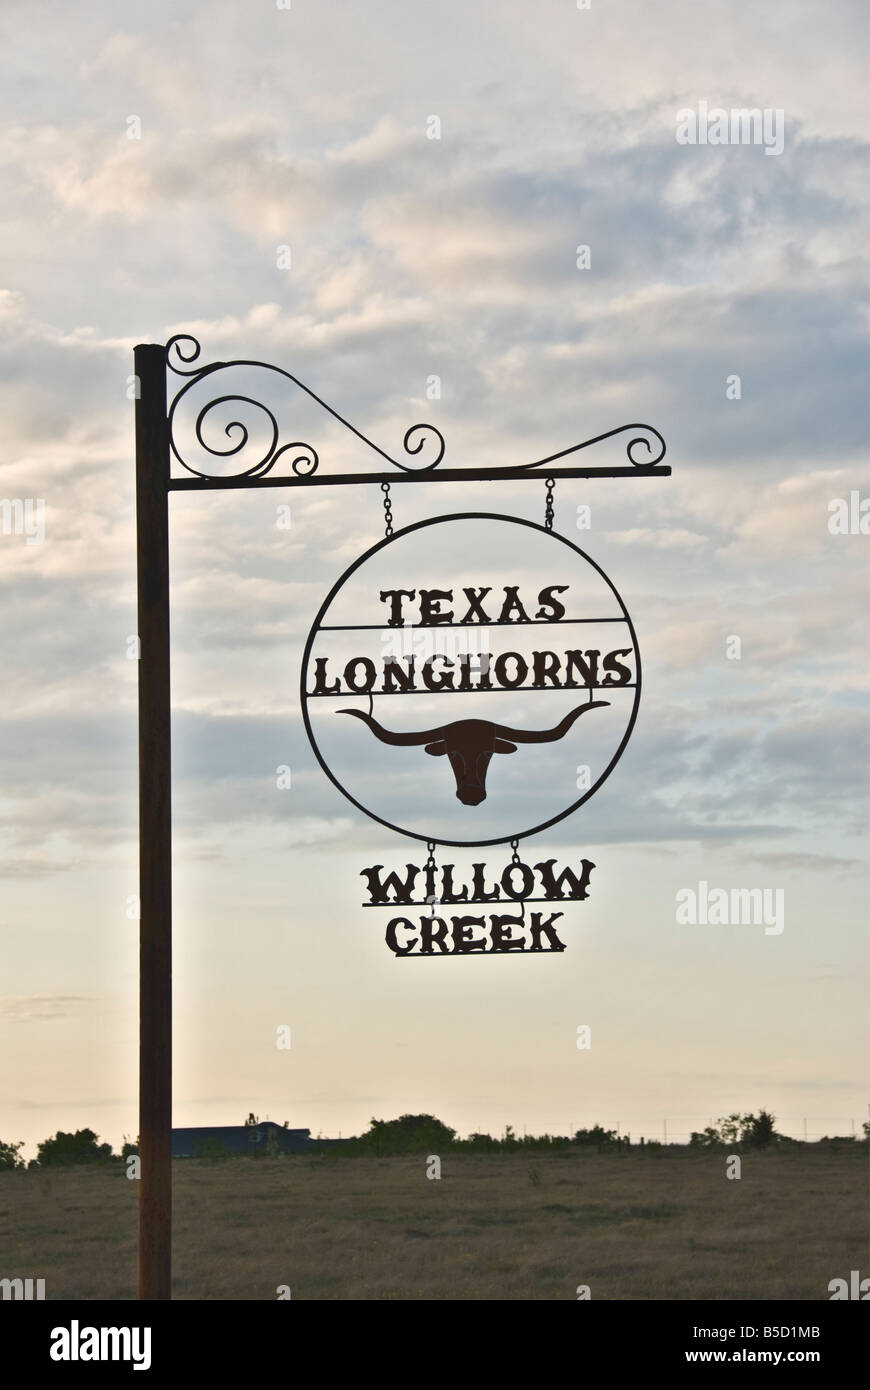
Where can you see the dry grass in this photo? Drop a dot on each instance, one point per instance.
(500, 1227)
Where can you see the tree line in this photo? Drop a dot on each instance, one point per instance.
(415, 1134)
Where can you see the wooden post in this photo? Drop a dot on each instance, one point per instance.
(155, 834)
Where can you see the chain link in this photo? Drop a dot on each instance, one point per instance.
(432, 898)
(548, 509)
(515, 859)
(388, 509)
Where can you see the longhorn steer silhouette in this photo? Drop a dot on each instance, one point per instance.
(470, 743)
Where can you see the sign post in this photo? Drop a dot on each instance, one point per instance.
(172, 429)
(155, 829)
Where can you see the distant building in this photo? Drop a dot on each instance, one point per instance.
(239, 1139)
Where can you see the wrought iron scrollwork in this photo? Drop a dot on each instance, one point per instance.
(184, 349)
(423, 440)
(656, 451)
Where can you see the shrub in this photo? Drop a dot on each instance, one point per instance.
(212, 1150)
(597, 1136)
(406, 1135)
(9, 1155)
(66, 1149)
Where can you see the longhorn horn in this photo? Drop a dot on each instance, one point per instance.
(388, 736)
(541, 735)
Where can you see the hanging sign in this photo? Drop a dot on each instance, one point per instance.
(471, 680)
(448, 928)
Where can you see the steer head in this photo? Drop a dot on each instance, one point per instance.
(470, 743)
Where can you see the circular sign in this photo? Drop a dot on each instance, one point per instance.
(471, 679)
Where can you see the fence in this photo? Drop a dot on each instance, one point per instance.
(679, 1129)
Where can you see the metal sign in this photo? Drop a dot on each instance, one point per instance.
(447, 928)
(494, 646)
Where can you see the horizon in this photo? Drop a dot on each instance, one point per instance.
(666, 1136)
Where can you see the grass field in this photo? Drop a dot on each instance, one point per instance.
(668, 1226)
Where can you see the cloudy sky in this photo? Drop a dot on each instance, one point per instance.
(157, 164)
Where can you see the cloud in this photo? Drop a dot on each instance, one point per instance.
(666, 539)
(22, 1008)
